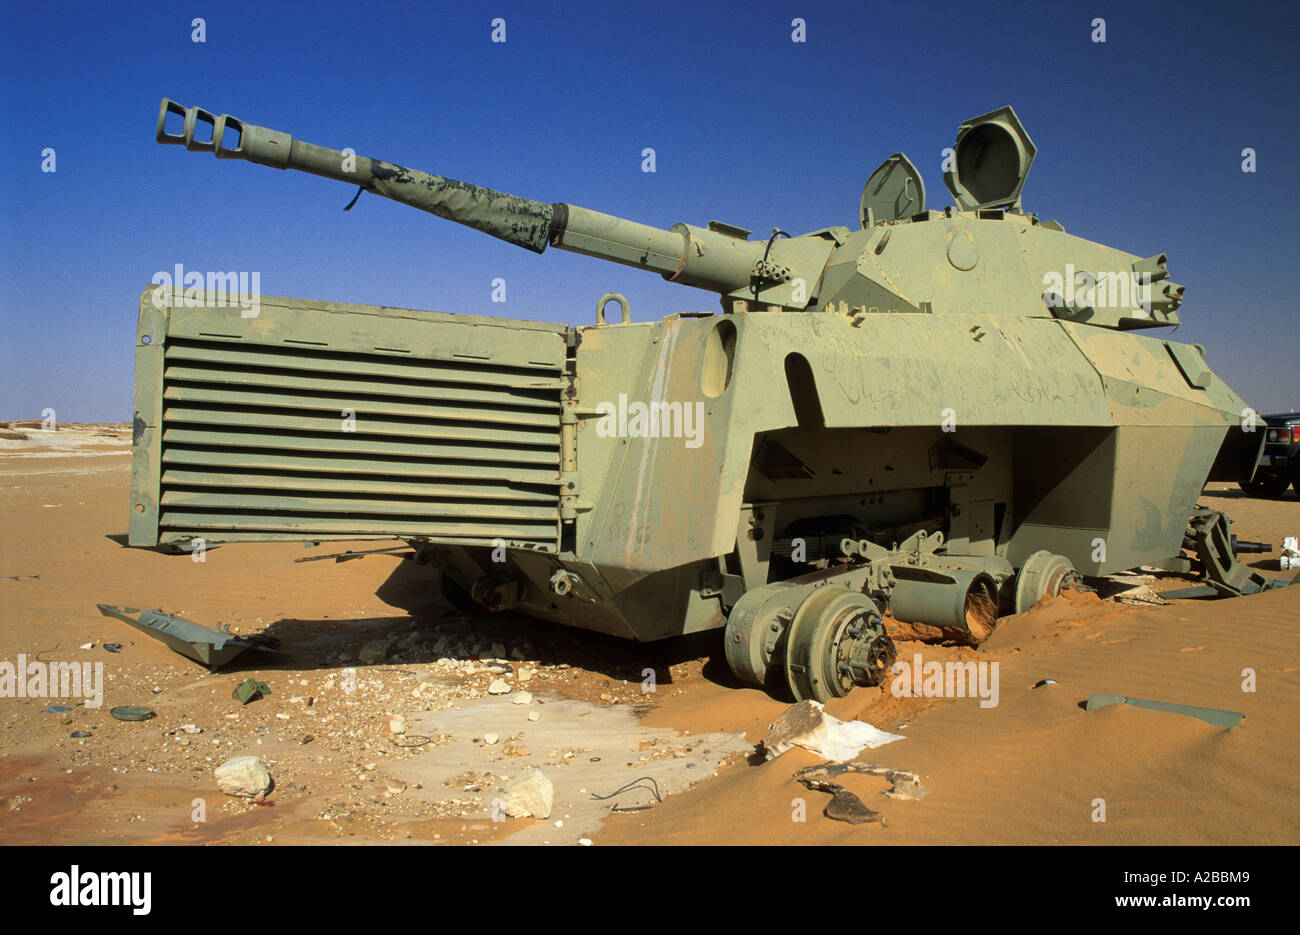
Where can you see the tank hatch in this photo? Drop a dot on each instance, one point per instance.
(893, 191)
(990, 161)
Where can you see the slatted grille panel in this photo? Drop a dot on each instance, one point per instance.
(254, 446)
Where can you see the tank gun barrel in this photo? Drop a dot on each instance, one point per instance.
(705, 258)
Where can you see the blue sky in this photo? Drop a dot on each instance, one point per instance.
(1139, 140)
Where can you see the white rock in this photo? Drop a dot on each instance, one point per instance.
(87, 645)
(529, 794)
(585, 842)
(397, 724)
(498, 687)
(190, 729)
(522, 698)
(533, 715)
(244, 776)
(490, 739)
(525, 675)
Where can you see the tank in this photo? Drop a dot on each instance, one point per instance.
(943, 415)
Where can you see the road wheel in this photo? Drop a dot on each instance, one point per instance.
(836, 640)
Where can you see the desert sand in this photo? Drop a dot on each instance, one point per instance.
(1030, 770)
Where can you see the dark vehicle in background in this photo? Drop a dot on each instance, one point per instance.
(1279, 463)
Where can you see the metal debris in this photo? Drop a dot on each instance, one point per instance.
(206, 646)
(250, 690)
(1215, 716)
(844, 805)
(350, 554)
(806, 725)
(904, 783)
(653, 789)
(1290, 555)
(132, 713)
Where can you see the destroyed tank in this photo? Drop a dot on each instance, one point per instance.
(943, 415)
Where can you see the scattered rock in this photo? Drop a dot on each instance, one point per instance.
(525, 675)
(375, 652)
(533, 715)
(530, 794)
(190, 729)
(244, 776)
(397, 725)
(498, 687)
(522, 698)
(490, 739)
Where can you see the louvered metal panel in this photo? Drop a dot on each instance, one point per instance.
(266, 440)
